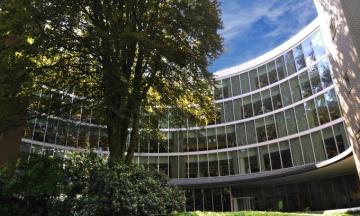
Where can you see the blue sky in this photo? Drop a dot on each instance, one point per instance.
(253, 27)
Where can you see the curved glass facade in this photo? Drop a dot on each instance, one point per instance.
(281, 114)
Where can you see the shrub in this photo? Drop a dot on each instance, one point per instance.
(85, 185)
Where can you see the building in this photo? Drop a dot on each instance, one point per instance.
(288, 134)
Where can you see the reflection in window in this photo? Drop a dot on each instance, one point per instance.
(270, 127)
(341, 138)
(286, 93)
(332, 103)
(329, 142)
(271, 68)
(250, 132)
(307, 149)
(260, 130)
(266, 99)
(305, 84)
(276, 97)
(192, 141)
(238, 109)
(290, 121)
(221, 113)
(280, 124)
(256, 99)
(202, 144)
(229, 111)
(325, 74)
(296, 152)
(263, 77)
(315, 80)
(285, 154)
(322, 109)
(254, 81)
(275, 156)
(295, 89)
(299, 58)
(318, 146)
(218, 90)
(311, 113)
(245, 83)
(281, 69)
(290, 63)
(226, 88)
(211, 136)
(318, 45)
(301, 117)
(235, 85)
(241, 134)
(247, 105)
(230, 136)
(308, 51)
(264, 158)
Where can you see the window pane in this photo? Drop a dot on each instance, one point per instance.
(307, 149)
(238, 109)
(325, 74)
(329, 142)
(280, 65)
(299, 58)
(254, 160)
(213, 165)
(285, 154)
(263, 77)
(264, 158)
(305, 84)
(332, 103)
(256, 99)
(192, 141)
(229, 112)
(315, 80)
(223, 164)
(341, 138)
(270, 127)
(272, 72)
(308, 51)
(203, 166)
(202, 144)
(311, 114)
(318, 45)
(244, 161)
(218, 90)
(295, 89)
(322, 109)
(296, 152)
(280, 124)
(230, 135)
(301, 117)
(276, 97)
(318, 146)
(211, 136)
(275, 156)
(245, 84)
(241, 134)
(221, 113)
(291, 121)
(247, 105)
(290, 63)
(286, 93)
(250, 132)
(235, 85)
(226, 88)
(221, 137)
(266, 100)
(254, 81)
(260, 130)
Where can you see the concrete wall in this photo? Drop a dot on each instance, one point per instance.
(343, 47)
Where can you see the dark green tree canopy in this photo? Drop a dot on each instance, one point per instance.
(124, 55)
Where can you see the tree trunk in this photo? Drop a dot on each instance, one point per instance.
(134, 135)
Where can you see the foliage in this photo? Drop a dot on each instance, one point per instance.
(122, 56)
(84, 185)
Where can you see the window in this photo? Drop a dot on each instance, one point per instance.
(264, 158)
(218, 90)
(305, 84)
(244, 160)
(247, 105)
(296, 152)
(250, 132)
(301, 117)
(230, 136)
(275, 156)
(286, 93)
(263, 77)
(257, 104)
(280, 124)
(270, 127)
(202, 144)
(318, 45)
(340, 136)
(280, 66)
(211, 136)
(235, 85)
(307, 149)
(203, 166)
(226, 84)
(254, 81)
(299, 58)
(221, 113)
(213, 165)
(193, 166)
(329, 142)
(291, 121)
(241, 134)
(290, 63)
(308, 51)
(322, 109)
(318, 146)
(325, 74)
(276, 97)
(229, 111)
(234, 163)
(245, 83)
(295, 89)
(192, 141)
(254, 160)
(238, 109)
(266, 99)
(271, 68)
(285, 154)
(315, 80)
(260, 130)
(223, 164)
(311, 114)
(332, 103)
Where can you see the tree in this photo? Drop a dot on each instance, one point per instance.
(128, 57)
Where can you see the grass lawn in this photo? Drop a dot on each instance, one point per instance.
(253, 213)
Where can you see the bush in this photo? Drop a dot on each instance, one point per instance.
(84, 185)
